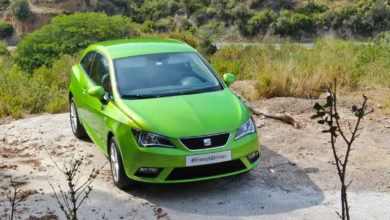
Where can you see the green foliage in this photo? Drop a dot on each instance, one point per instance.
(6, 29)
(186, 37)
(204, 14)
(45, 90)
(260, 22)
(69, 34)
(212, 29)
(20, 9)
(148, 27)
(301, 21)
(383, 39)
(186, 25)
(3, 49)
(5, 1)
(207, 47)
(241, 16)
(284, 26)
(255, 3)
(311, 8)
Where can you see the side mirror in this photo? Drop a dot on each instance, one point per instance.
(229, 78)
(97, 92)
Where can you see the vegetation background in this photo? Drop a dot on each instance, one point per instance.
(34, 78)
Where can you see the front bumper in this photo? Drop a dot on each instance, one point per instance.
(171, 163)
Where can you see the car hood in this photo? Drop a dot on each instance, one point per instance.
(188, 115)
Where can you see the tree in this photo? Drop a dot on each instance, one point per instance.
(69, 34)
(20, 9)
(6, 29)
(328, 114)
(207, 47)
(260, 22)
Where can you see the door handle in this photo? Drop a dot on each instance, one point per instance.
(84, 90)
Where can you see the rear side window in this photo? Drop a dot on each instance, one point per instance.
(86, 63)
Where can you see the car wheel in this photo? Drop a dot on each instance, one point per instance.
(77, 128)
(118, 173)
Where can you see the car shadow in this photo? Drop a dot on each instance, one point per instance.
(276, 185)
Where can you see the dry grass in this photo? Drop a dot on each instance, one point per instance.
(297, 71)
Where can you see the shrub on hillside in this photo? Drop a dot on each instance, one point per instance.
(3, 48)
(148, 27)
(241, 16)
(20, 9)
(260, 22)
(69, 34)
(207, 47)
(255, 3)
(6, 29)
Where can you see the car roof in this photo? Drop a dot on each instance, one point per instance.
(135, 47)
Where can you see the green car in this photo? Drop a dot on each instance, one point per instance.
(160, 113)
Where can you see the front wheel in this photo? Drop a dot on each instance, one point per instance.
(118, 173)
(77, 128)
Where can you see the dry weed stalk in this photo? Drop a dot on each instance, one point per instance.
(71, 201)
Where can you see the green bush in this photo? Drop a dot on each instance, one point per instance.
(212, 29)
(207, 47)
(241, 15)
(301, 21)
(6, 29)
(284, 27)
(260, 22)
(45, 90)
(311, 8)
(255, 3)
(20, 9)
(69, 34)
(148, 27)
(202, 15)
(3, 48)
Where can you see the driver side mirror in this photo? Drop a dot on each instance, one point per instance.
(97, 92)
(229, 78)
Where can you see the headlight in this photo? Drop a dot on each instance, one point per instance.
(247, 128)
(146, 139)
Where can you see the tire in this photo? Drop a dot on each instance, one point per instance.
(118, 173)
(77, 129)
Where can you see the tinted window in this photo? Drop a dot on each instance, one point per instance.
(86, 63)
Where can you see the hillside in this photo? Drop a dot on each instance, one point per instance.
(223, 20)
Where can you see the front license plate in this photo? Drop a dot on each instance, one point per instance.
(201, 159)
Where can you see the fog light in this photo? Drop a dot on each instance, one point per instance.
(253, 157)
(148, 172)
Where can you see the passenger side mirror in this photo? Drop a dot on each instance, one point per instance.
(229, 78)
(97, 92)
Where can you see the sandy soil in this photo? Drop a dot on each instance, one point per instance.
(296, 178)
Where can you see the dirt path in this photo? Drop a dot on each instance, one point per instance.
(295, 179)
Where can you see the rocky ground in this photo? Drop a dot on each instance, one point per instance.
(296, 178)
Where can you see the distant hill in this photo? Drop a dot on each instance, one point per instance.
(227, 19)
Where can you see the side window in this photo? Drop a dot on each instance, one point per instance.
(100, 73)
(86, 63)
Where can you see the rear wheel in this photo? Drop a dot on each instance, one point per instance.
(77, 128)
(118, 173)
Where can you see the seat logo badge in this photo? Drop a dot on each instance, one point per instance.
(207, 142)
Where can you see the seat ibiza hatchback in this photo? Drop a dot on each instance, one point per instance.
(160, 113)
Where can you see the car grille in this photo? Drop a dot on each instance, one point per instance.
(183, 173)
(198, 143)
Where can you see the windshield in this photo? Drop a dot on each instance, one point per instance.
(166, 74)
